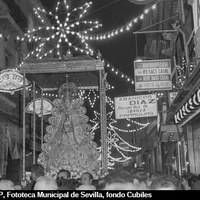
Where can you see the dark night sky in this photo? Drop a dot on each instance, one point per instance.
(120, 50)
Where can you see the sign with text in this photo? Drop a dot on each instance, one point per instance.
(136, 106)
(11, 81)
(152, 75)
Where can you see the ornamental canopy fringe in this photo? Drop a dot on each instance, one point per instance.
(11, 81)
(188, 108)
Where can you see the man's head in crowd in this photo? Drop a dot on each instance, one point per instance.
(37, 171)
(86, 178)
(46, 183)
(7, 185)
(119, 180)
(62, 176)
(163, 183)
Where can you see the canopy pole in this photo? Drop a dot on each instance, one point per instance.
(42, 118)
(24, 130)
(34, 128)
(102, 89)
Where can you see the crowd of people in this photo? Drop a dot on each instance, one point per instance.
(121, 179)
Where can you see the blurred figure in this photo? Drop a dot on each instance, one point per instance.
(46, 183)
(163, 183)
(18, 187)
(86, 182)
(7, 185)
(192, 180)
(101, 183)
(62, 179)
(196, 186)
(63, 173)
(151, 178)
(140, 178)
(37, 171)
(119, 180)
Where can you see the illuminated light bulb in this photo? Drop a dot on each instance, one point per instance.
(121, 30)
(154, 7)
(146, 11)
(108, 65)
(135, 20)
(112, 69)
(142, 16)
(122, 75)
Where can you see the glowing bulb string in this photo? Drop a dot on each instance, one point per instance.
(59, 34)
(117, 31)
(117, 72)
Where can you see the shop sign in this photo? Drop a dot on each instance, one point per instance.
(152, 75)
(136, 106)
(188, 107)
(47, 107)
(11, 81)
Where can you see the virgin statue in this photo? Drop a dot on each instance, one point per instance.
(69, 143)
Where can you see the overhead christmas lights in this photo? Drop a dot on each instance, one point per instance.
(118, 73)
(119, 30)
(65, 34)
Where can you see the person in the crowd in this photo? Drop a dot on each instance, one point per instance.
(62, 179)
(162, 183)
(7, 185)
(63, 173)
(140, 178)
(119, 180)
(86, 182)
(65, 182)
(46, 183)
(101, 183)
(196, 186)
(18, 187)
(192, 180)
(37, 171)
(152, 176)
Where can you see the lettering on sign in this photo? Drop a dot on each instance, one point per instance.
(152, 75)
(135, 106)
(11, 80)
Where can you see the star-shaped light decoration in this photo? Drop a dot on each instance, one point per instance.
(61, 31)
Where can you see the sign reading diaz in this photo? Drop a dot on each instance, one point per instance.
(136, 106)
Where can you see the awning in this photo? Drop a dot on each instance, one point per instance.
(189, 109)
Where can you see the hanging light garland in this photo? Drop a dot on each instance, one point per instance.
(65, 33)
(117, 72)
(127, 27)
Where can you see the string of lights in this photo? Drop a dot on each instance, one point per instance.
(127, 27)
(117, 72)
(64, 34)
